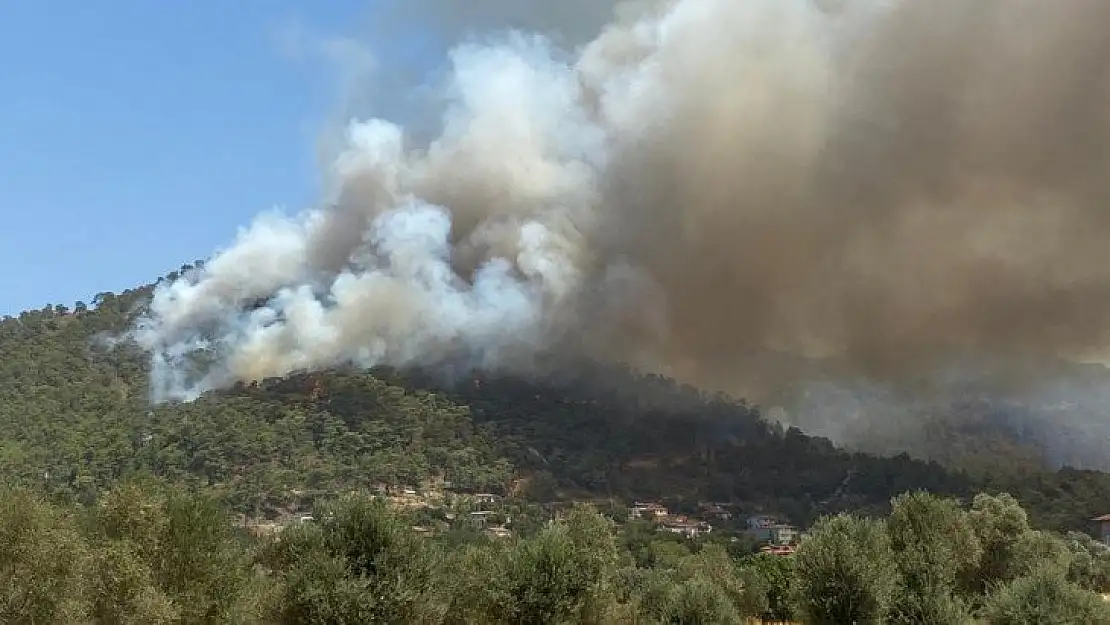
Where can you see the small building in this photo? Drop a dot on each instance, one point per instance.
(499, 531)
(650, 511)
(719, 511)
(1103, 528)
(783, 534)
(686, 526)
(761, 521)
(770, 530)
(778, 550)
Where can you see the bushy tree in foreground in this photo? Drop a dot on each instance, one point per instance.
(124, 589)
(357, 563)
(1045, 597)
(142, 556)
(174, 555)
(845, 572)
(563, 573)
(933, 544)
(771, 579)
(1090, 562)
(698, 601)
(1000, 524)
(42, 560)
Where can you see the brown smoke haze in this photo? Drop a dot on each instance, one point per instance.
(696, 186)
(937, 187)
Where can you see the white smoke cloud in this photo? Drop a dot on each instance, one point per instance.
(372, 278)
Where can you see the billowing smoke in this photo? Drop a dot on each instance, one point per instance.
(896, 186)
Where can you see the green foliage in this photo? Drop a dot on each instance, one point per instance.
(543, 582)
(357, 564)
(153, 553)
(1045, 597)
(845, 572)
(698, 601)
(714, 565)
(42, 561)
(934, 544)
(141, 556)
(1039, 549)
(769, 582)
(197, 560)
(124, 589)
(76, 418)
(563, 571)
(1000, 524)
(74, 410)
(122, 511)
(1090, 562)
(165, 540)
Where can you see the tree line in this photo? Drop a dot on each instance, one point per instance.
(147, 552)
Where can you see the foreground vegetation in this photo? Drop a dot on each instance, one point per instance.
(147, 553)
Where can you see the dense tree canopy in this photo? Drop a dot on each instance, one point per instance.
(75, 417)
(156, 553)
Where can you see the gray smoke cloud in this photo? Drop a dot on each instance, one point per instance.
(887, 188)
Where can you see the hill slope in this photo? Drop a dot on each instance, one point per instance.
(75, 420)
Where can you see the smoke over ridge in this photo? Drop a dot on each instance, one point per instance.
(895, 185)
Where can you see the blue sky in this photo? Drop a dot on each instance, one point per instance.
(136, 136)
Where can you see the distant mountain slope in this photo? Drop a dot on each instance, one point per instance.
(1046, 415)
(74, 419)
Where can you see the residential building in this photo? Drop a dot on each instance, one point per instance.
(650, 511)
(769, 529)
(1103, 528)
(717, 510)
(689, 528)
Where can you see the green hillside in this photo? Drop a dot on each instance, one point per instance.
(75, 420)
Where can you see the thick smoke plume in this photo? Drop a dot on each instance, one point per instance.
(895, 186)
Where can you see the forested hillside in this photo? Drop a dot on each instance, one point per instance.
(75, 420)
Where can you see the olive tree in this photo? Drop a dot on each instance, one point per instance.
(1045, 597)
(42, 558)
(358, 563)
(933, 544)
(845, 572)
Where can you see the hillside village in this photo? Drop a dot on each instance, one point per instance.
(438, 507)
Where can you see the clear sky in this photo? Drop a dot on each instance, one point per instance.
(136, 136)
